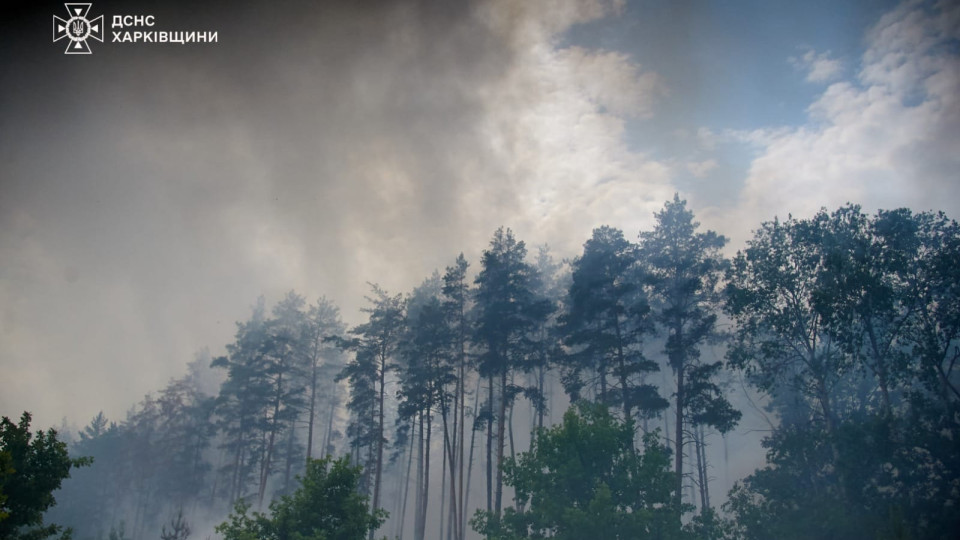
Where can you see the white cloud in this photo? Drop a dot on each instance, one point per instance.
(707, 139)
(819, 68)
(701, 169)
(890, 138)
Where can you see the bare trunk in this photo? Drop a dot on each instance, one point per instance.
(490, 446)
(406, 484)
(417, 512)
(513, 452)
(443, 484)
(460, 464)
(501, 426)
(313, 393)
(286, 472)
(543, 405)
(235, 477)
(379, 468)
(327, 437)
(621, 360)
(426, 475)
(702, 475)
(449, 462)
(265, 468)
(603, 382)
(678, 465)
(311, 414)
(466, 491)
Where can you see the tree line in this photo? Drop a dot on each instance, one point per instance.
(845, 325)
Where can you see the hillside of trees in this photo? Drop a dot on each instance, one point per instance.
(437, 408)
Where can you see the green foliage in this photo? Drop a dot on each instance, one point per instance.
(583, 479)
(606, 322)
(508, 311)
(6, 471)
(327, 506)
(32, 466)
(849, 322)
(375, 343)
(425, 351)
(275, 368)
(684, 268)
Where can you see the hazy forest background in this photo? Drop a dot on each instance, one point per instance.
(839, 330)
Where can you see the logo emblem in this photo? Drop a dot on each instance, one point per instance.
(78, 29)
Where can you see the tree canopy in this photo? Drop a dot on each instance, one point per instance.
(582, 479)
(32, 466)
(327, 506)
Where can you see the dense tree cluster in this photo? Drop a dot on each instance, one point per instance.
(583, 478)
(32, 467)
(850, 323)
(328, 505)
(846, 325)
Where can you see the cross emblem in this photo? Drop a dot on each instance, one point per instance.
(77, 29)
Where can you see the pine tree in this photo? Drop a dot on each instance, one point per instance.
(242, 402)
(685, 268)
(508, 312)
(426, 371)
(606, 323)
(375, 345)
(284, 357)
(456, 294)
(325, 360)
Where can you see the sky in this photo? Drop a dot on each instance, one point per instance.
(149, 193)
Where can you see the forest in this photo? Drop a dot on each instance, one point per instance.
(520, 396)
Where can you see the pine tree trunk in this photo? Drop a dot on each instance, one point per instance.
(463, 420)
(265, 468)
(417, 521)
(286, 473)
(501, 442)
(443, 483)
(703, 465)
(543, 405)
(513, 452)
(490, 447)
(679, 441)
(603, 382)
(426, 476)
(235, 477)
(313, 391)
(455, 443)
(466, 491)
(328, 436)
(379, 467)
(449, 462)
(406, 484)
(621, 360)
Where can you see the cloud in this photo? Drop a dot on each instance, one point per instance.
(819, 68)
(701, 169)
(890, 138)
(707, 139)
